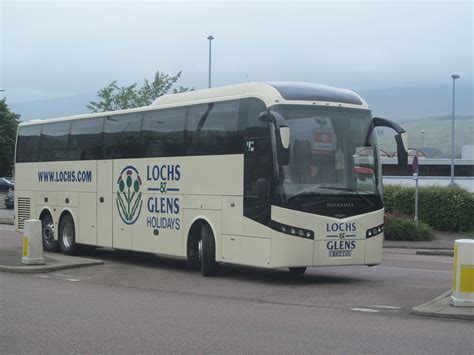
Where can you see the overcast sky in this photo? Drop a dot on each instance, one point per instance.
(62, 48)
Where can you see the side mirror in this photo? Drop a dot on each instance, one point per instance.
(402, 153)
(401, 138)
(262, 189)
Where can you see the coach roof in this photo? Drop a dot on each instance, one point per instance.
(271, 93)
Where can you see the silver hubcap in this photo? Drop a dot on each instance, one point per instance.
(48, 232)
(67, 235)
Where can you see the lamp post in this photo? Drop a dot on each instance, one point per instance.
(210, 38)
(422, 136)
(454, 76)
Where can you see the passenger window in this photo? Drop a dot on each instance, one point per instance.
(28, 144)
(163, 132)
(212, 129)
(85, 142)
(54, 141)
(122, 136)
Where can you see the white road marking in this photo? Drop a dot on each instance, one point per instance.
(73, 280)
(407, 269)
(365, 310)
(412, 258)
(62, 275)
(43, 276)
(385, 307)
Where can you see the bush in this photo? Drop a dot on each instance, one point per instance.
(443, 208)
(397, 228)
(389, 192)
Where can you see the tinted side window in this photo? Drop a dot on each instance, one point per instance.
(253, 126)
(214, 131)
(257, 164)
(54, 141)
(163, 132)
(122, 136)
(27, 149)
(257, 160)
(85, 142)
(195, 115)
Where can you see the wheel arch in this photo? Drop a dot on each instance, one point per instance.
(45, 210)
(194, 232)
(63, 213)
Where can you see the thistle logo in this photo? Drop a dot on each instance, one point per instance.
(129, 196)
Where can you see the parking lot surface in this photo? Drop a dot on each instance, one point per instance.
(143, 303)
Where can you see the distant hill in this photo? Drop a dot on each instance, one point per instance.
(437, 135)
(399, 104)
(405, 103)
(58, 107)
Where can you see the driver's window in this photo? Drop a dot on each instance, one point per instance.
(257, 164)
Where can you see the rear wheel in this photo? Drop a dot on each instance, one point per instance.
(207, 251)
(297, 270)
(47, 227)
(67, 235)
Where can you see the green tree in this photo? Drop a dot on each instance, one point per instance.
(8, 126)
(115, 97)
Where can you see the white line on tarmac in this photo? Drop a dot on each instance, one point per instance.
(385, 307)
(407, 269)
(365, 310)
(62, 275)
(415, 258)
(43, 276)
(73, 280)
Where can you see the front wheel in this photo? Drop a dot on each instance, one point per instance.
(207, 252)
(297, 270)
(67, 235)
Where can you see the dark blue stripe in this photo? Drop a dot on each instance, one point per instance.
(158, 189)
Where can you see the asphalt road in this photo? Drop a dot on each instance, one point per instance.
(141, 303)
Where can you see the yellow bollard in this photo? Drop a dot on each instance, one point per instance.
(463, 273)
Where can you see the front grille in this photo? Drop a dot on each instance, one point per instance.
(23, 211)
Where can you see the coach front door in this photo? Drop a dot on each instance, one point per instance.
(104, 203)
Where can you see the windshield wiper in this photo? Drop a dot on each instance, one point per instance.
(315, 191)
(355, 192)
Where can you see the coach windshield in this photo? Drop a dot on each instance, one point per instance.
(333, 154)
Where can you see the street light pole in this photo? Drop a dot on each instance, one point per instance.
(210, 38)
(454, 76)
(422, 136)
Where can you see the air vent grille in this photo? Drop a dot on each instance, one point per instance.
(23, 211)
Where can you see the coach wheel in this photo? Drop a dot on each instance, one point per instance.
(67, 235)
(207, 251)
(297, 270)
(47, 227)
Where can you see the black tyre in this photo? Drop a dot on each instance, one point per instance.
(297, 270)
(207, 251)
(47, 227)
(67, 235)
